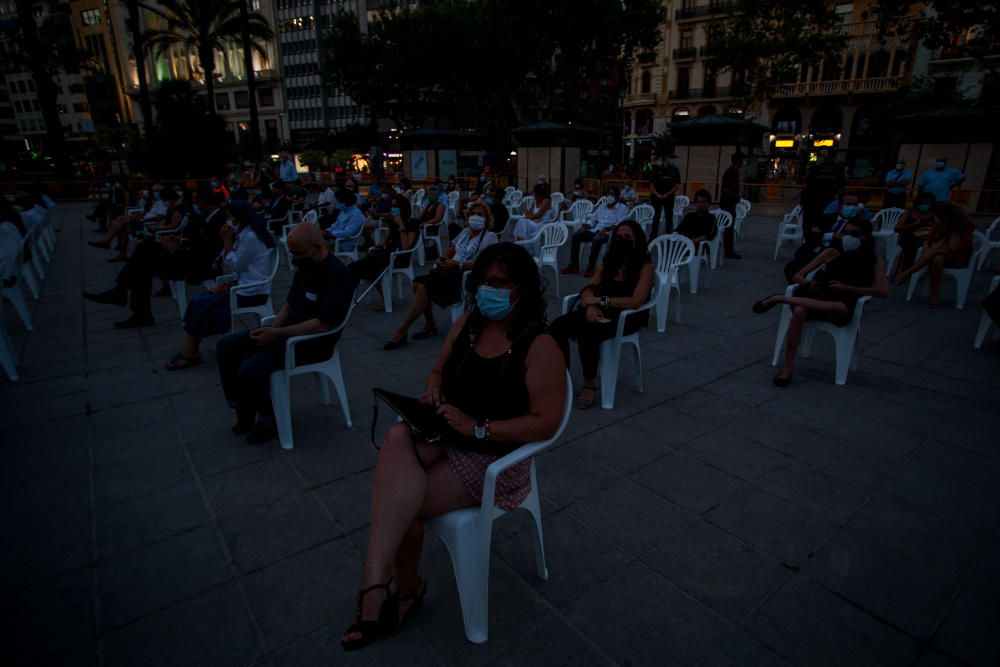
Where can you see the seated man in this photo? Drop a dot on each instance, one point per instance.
(161, 210)
(190, 258)
(319, 300)
(349, 220)
(326, 198)
(597, 230)
(276, 212)
(699, 224)
(820, 236)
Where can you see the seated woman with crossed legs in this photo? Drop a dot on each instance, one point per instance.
(850, 270)
(947, 246)
(499, 383)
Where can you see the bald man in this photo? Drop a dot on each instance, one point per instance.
(318, 301)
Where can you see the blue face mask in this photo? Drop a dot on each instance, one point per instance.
(923, 208)
(198, 210)
(494, 302)
(489, 201)
(394, 211)
(849, 211)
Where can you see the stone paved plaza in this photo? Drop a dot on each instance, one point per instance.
(713, 519)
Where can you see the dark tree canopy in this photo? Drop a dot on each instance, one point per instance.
(968, 28)
(490, 65)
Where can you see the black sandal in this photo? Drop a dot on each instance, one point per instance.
(782, 382)
(761, 307)
(418, 599)
(372, 631)
(582, 403)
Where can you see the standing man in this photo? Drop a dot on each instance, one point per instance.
(665, 186)
(941, 180)
(823, 185)
(730, 198)
(287, 171)
(897, 182)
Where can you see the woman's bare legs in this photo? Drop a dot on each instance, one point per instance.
(401, 493)
(189, 348)
(925, 259)
(421, 305)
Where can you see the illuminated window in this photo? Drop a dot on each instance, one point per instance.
(91, 17)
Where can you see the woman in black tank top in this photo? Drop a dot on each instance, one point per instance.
(500, 382)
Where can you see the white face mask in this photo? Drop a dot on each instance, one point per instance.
(851, 243)
(477, 222)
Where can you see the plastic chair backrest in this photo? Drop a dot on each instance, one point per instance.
(311, 217)
(979, 245)
(453, 197)
(527, 203)
(507, 190)
(557, 200)
(641, 213)
(601, 202)
(742, 209)
(886, 219)
(553, 236)
(275, 257)
(581, 209)
(681, 202)
(723, 219)
(671, 251)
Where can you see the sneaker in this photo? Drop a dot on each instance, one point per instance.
(111, 297)
(262, 432)
(570, 270)
(135, 321)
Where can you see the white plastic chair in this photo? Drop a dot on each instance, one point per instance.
(351, 253)
(985, 323)
(434, 236)
(671, 252)
(328, 370)
(8, 357)
(790, 229)
(723, 221)
(263, 310)
(884, 228)
(551, 237)
(169, 232)
(612, 347)
(681, 202)
(576, 214)
(992, 244)
(742, 211)
(29, 270)
(15, 295)
(557, 199)
(846, 338)
(643, 215)
(457, 309)
(963, 277)
(385, 279)
(467, 533)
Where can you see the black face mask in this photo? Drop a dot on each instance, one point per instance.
(304, 263)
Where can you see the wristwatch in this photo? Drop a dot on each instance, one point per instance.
(480, 431)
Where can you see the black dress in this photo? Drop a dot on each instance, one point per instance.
(855, 268)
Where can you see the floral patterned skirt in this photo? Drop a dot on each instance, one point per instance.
(513, 484)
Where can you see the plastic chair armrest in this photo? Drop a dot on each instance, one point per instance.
(569, 302)
(291, 342)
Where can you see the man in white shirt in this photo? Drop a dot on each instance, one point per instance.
(326, 198)
(596, 231)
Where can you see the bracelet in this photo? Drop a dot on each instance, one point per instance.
(605, 301)
(486, 425)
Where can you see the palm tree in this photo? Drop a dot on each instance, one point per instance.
(204, 27)
(139, 52)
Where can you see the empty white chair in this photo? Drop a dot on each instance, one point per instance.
(557, 199)
(723, 221)
(552, 237)
(993, 241)
(577, 213)
(985, 323)
(263, 310)
(8, 357)
(963, 277)
(467, 533)
(417, 201)
(790, 229)
(681, 202)
(742, 211)
(643, 215)
(671, 252)
(385, 279)
(846, 338)
(884, 229)
(611, 348)
(435, 235)
(327, 371)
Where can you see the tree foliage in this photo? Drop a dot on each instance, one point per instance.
(490, 64)
(764, 43)
(190, 141)
(203, 27)
(967, 27)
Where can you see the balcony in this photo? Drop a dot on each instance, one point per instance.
(685, 53)
(718, 92)
(715, 7)
(640, 100)
(819, 88)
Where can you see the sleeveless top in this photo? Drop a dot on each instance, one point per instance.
(491, 388)
(855, 268)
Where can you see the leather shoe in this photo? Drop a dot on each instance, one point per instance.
(111, 297)
(262, 433)
(135, 321)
